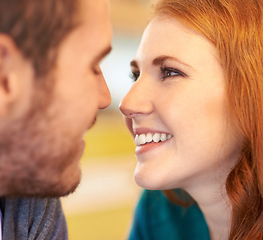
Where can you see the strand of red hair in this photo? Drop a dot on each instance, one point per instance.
(235, 27)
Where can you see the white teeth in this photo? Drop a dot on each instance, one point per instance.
(141, 139)
(163, 137)
(156, 137)
(137, 140)
(150, 137)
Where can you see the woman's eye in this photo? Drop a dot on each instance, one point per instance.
(171, 72)
(134, 76)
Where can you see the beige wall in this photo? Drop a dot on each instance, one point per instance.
(130, 16)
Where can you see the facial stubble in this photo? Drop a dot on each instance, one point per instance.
(38, 157)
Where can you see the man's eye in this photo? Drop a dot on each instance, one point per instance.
(134, 75)
(171, 72)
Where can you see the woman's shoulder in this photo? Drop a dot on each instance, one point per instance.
(156, 217)
(155, 204)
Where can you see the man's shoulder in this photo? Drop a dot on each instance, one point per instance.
(31, 218)
(28, 206)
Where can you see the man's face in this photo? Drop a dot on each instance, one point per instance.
(40, 150)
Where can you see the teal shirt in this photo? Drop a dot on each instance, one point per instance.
(156, 218)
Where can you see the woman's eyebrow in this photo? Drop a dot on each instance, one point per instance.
(161, 59)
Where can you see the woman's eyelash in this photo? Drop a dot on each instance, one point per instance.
(166, 73)
(171, 72)
(134, 75)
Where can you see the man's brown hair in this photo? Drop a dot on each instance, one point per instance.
(38, 27)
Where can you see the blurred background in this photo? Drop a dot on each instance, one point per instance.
(102, 207)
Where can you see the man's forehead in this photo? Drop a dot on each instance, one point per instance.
(96, 24)
(93, 33)
(88, 9)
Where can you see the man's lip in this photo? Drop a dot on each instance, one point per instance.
(92, 124)
(94, 121)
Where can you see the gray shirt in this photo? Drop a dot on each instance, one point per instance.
(33, 219)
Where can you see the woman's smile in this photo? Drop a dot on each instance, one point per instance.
(149, 140)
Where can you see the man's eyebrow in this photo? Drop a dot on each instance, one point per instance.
(134, 64)
(161, 59)
(103, 54)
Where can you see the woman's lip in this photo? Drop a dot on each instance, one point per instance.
(148, 147)
(139, 131)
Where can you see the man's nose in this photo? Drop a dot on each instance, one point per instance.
(105, 97)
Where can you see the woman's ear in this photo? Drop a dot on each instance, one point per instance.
(11, 74)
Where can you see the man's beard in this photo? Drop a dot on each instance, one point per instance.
(38, 157)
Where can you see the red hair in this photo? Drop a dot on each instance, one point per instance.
(235, 27)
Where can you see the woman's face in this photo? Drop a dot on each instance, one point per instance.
(176, 109)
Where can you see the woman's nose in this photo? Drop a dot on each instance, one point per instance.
(137, 101)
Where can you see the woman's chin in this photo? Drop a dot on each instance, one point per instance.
(148, 181)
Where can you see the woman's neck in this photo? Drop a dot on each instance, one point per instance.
(214, 204)
(217, 214)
